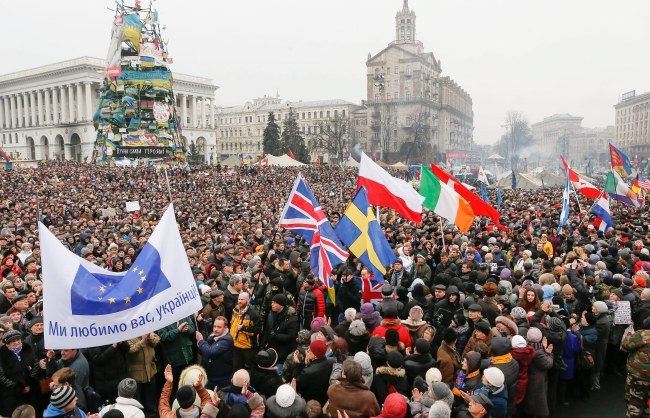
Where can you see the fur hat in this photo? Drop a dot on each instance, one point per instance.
(285, 396)
(494, 377)
(127, 388)
(357, 328)
(185, 396)
(304, 337)
(534, 335)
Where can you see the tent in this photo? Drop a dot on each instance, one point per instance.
(381, 164)
(282, 161)
(531, 181)
(232, 161)
(495, 156)
(399, 166)
(351, 162)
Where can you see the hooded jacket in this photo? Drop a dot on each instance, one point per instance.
(524, 357)
(54, 412)
(128, 406)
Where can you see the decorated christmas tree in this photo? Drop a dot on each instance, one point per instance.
(136, 116)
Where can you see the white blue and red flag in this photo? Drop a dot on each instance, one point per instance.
(303, 216)
(604, 215)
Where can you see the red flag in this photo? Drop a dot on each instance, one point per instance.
(291, 154)
(479, 206)
(587, 189)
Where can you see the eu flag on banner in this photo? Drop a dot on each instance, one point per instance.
(98, 294)
(360, 231)
(88, 306)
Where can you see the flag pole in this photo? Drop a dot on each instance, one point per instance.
(442, 231)
(169, 190)
(575, 193)
(592, 206)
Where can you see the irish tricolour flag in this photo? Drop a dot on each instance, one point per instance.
(444, 201)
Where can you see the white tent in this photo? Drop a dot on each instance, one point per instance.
(282, 161)
(351, 162)
(400, 166)
(232, 161)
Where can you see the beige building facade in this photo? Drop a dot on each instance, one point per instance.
(47, 112)
(632, 120)
(413, 111)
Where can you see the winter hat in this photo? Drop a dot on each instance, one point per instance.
(318, 348)
(590, 318)
(280, 299)
(386, 290)
(127, 388)
(548, 292)
(357, 328)
(500, 346)
(390, 312)
(366, 310)
(433, 375)
(317, 323)
(209, 409)
(534, 335)
(618, 292)
(62, 396)
(350, 314)
(394, 359)
(285, 396)
(494, 377)
(363, 359)
(490, 289)
(640, 281)
(304, 337)
(422, 346)
(505, 273)
(556, 324)
(267, 358)
(440, 390)
(482, 326)
(36, 320)
(328, 332)
(11, 336)
(204, 288)
(185, 396)
(518, 342)
(509, 323)
(416, 314)
(518, 312)
(394, 406)
(449, 335)
(601, 306)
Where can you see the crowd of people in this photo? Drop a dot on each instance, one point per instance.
(491, 323)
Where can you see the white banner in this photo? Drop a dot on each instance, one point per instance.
(87, 306)
(132, 206)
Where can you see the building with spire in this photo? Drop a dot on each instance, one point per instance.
(414, 112)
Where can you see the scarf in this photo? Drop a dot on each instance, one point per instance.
(16, 351)
(460, 382)
(504, 359)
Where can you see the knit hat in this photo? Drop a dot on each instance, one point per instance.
(36, 320)
(318, 348)
(363, 359)
(267, 358)
(482, 326)
(186, 395)
(500, 346)
(433, 375)
(422, 346)
(280, 299)
(518, 312)
(357, 327)
(304, 337)
(548, 292)
(518, 342)
(534, 335)
(494, 376)
(440, 390)
(209, 409)
(204, 288)
(350, 314)
(601, 306)
(317, 323)
(394, 406)
(285, 396)
(394, 359)
(127, 388)
(618, 292)
(62, 396)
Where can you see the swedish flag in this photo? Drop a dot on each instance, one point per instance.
(360, 231)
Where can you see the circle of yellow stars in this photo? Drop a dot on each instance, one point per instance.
(143, 278)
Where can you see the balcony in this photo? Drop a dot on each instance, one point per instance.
(375, 125)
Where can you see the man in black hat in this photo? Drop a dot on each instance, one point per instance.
(389, 301)
(16, 361)
(213, 309)
(281, 329)
(348, 294)
(398, 276)
(265, 378)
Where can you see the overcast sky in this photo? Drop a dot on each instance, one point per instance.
(537, 57)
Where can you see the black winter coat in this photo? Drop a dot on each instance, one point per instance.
(108, 365)
(280, 332)
(418, 365)
(265, 381)
(313, 381)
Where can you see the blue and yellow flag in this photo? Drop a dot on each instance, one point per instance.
(360, 231)
(620, 162)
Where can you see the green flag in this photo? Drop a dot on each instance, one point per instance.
(610, 183)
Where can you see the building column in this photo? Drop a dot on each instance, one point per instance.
(80, 115)
(184, 109)
(89, 101)
(70, 103)
(32, 107)
(55, 106)
(211, 113)
(25, 100)
(48, 110)
(194, 113)
(39, 107)
(5, 101)
(19, 110)
(2, 113)
(63, 104)
(12, 106)
(199, 119)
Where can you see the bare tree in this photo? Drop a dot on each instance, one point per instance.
(419, 146)
(387, 126)
(333, 136)
(517, 135)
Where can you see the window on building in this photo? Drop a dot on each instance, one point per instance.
(336, 113)
(328, 113)
(396, 69)
(343, 113)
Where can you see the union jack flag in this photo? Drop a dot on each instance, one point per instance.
(371, 291)
(304, 216)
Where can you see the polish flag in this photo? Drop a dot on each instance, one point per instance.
(587, 189)
(386, 190)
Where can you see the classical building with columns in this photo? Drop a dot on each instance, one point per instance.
(633, 125)
(415, 113)
(47, 112)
